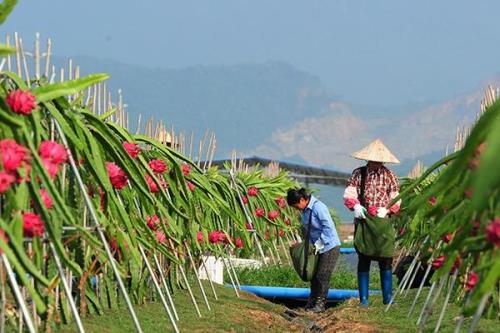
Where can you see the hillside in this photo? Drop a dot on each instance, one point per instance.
(241, 103)
(274, 110)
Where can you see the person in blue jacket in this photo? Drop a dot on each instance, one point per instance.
(323, 236)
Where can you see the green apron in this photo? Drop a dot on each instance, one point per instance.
(374, 237)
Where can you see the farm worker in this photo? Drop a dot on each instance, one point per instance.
(374, 234)
(323, 236)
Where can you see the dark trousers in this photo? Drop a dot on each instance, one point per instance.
(321, 280)
(365, 261)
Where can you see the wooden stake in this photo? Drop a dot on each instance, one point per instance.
(7, 42)
(3, 296)
(193, 266)
(18, 55)
(231, 277)
(158, 288)
(193, 299)
(287, 255)
(70, 69)
(164, 281)
(479, 312)
(277, 252)
(17, 294)
(25, 64)
(207, 152)
(191, 146)
(138, 128)
(202, 145)
(213, 153)
(99, 85)
(428, 311)
(47, 57)
(94, 100)
(447, 299)
(233, 270)
(208, 276)
(66, 288)
(87, 100)
(37, 56)
(104, 99)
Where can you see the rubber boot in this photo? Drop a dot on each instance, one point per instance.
(363, 283)
(386, 284)
(310, 303)
(319, 305)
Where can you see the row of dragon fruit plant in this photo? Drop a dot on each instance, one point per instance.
(450, 223)
(142, 191)
(87, 206)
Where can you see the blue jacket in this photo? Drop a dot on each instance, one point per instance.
(322, 224)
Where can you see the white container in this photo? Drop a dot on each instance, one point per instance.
(215, 268)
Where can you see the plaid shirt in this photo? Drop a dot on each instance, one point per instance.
(380, 188)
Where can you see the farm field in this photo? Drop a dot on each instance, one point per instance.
(253, 314)
(106, 229)
(229, 314)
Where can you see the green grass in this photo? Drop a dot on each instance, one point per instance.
(345, 244)
(285, 276)
(251, 314)
(229, 314)
(395, 320)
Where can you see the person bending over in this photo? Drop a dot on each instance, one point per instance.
(323, 236)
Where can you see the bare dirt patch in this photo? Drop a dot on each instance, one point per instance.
(344, 320)
(266, 318)
(269, 321)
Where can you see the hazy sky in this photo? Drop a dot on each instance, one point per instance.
(371, 52)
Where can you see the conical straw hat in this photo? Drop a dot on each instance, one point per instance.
(164, 137)
(376, 152)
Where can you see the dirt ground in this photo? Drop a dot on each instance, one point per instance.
(333, 320)
(340, 320)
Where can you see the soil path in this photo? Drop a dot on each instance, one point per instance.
(337, 319)
(342, 320)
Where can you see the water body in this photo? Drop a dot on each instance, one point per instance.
(332, 197)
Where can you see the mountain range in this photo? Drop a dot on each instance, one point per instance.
(275, 110)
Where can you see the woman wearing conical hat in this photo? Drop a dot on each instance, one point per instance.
(374, 235)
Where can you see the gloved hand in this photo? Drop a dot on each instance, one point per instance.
(359, 212)
(382, 212)
(318, 245)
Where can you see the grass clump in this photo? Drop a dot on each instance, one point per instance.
(285, 276)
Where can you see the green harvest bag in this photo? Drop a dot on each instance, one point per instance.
(305, 261)
(375, 237)
(305, 265)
